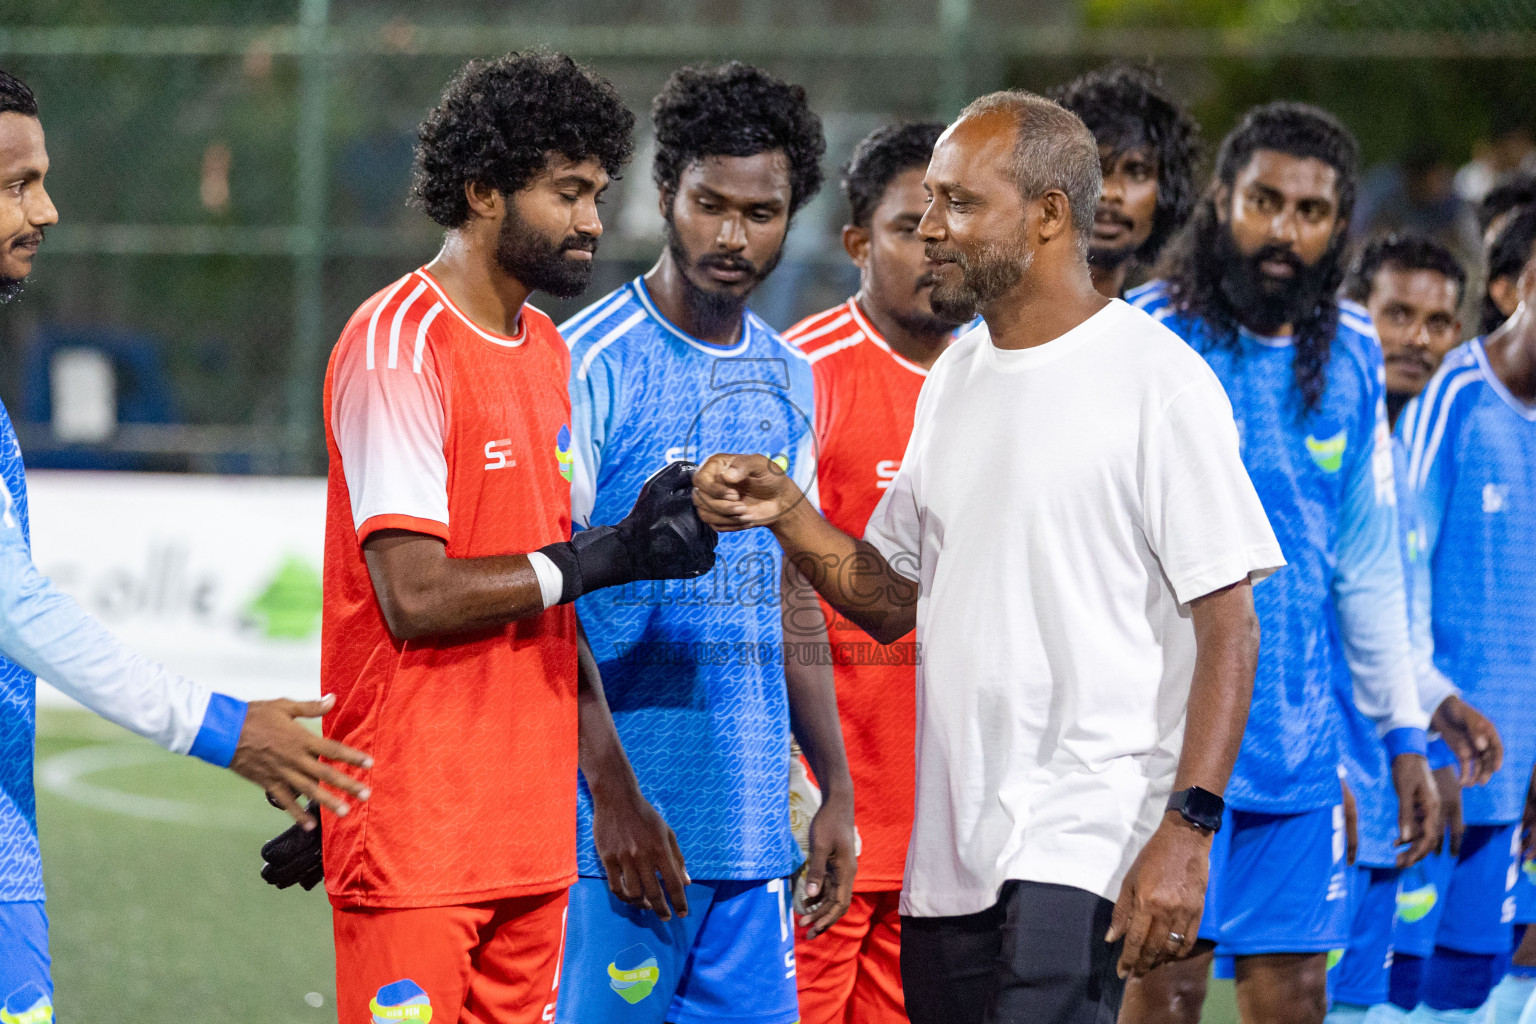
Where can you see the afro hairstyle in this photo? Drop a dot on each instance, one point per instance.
(879, 158)
(499, 121)
(1129, 107)
(735, 110)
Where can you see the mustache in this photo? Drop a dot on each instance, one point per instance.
(580, 242)
(34, 237)
(1109, 214)
(937, 253)
(1278, 254)
(1420, 359)
(725, 261)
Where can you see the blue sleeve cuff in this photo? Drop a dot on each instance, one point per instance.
(220, 732)
(1440, 754)
(1407, 740)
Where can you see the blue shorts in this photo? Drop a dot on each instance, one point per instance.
(1421, 903)
(1279, 884)
(1360, 977)
(26, 990)
(1466, 904)
(732, 959)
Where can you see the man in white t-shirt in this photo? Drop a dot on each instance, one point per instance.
(1073, 535)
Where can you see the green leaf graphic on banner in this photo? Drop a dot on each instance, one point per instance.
(289, 607)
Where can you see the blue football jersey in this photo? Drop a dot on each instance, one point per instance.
(1472, 470)
(21, 862)
(1334, 619)
(693, 669)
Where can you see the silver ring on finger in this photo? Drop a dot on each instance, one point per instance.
(1175, 939)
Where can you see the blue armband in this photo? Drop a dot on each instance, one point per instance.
(1407, 740)
(220, 732)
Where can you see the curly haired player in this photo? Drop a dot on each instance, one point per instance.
(674, 363)
(449, 636)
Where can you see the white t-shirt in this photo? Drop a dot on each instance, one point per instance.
(1059, 506)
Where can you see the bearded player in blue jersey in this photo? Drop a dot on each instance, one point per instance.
(1250, 284)
(1471, 439)
(1412, 287)
(43, 632)
(703, 688)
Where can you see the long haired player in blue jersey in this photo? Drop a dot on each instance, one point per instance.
(704, 689)
(1471, 441)
(1148, 147)
(1250, 284)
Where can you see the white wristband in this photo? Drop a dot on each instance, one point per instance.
(551, 579)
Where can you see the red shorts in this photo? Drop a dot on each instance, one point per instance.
(484, 963)
(852, 971)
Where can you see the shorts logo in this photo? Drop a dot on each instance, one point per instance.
(634, 982)
(564, 457)
(1415, 904)
(1334, 956)
(401, 1000)
(1329, 452)
(27, 1005)
(1529, 867)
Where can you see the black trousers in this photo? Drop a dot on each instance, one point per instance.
(1037, 956)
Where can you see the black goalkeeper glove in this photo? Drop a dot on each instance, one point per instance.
(293, 858)
(662, 538)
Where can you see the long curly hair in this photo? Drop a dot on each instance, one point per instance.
(499, 120)
(1192, 264)
(735, 110)
(1128, 107)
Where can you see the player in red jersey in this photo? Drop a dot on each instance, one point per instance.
(870, 356)
(448, 637)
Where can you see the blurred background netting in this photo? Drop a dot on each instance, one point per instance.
(231, 175)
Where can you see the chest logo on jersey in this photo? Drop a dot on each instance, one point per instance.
(1494, 496)
(1328, 453)
(885, 472)
(497, 452)
(565, 456)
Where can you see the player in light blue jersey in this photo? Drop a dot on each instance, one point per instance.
(44, 633)
(1412, 286)
(1471, 441)
(1249, 284)
(702, 685)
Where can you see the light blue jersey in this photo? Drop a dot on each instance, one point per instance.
(41, 630)
(1472, 468)
(1335, 618)
(693, 670)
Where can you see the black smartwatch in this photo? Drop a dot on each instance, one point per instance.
(1200, 807)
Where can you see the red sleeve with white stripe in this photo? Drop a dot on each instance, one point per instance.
(388, 417)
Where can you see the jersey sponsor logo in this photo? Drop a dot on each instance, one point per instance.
(1328, 452)
(27, 1005)
(401, 1000)
(885, 472)
(634, 982)
(1494, 496)
(565, 458)
(1414, 905)
(496, 453)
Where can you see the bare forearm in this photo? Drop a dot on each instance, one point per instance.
(853, 577)
(423, 592)
(600, 755)
(811, 690)
(1226, 654)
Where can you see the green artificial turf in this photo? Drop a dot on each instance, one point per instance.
(169, 920)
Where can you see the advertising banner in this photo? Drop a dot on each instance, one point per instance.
(216, 577)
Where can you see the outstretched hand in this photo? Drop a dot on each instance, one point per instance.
(283, 758)
(739, 492)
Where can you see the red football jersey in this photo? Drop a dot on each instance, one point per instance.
(438, 426)
(866, 396)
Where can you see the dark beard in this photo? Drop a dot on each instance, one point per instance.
(541, 265)
(1262, 303)
(713, 312)
(10, 287)
(984, 278)
(1110, 259)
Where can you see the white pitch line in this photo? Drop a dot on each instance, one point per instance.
(64, 775)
